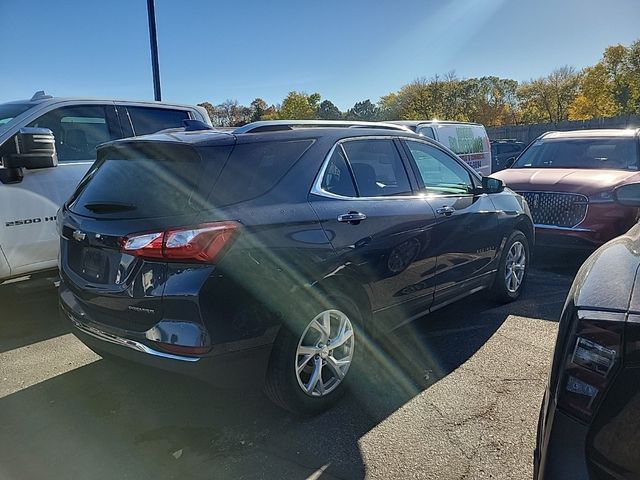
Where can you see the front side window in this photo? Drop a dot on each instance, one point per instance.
(440, 173)
(148, 120)
(377, 168)
(617, 153)
(77, 130)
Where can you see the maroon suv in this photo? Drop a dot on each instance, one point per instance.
(568, 179)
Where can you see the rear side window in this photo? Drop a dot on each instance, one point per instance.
(337, 178)
(152, 180)
(148, 120)
(255, 168)
(377, 168)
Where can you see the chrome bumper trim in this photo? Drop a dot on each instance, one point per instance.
(124, 342)
(564, 229)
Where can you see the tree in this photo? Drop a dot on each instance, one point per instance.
(363, 111)
(211, 110)
(597, 96)
(258, 109)
(614, 62)
(547, 99)
(388, 107)
(228, 114)
(632, 76)
(297, 106)
(328, 111)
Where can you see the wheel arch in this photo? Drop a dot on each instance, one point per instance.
(525, 225)
(346, 285)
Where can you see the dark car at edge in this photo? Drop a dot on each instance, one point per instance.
(589, 426)
(275, 257)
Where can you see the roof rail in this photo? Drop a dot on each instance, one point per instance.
(275, 125)
(40, 95)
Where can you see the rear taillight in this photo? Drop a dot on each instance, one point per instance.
(201, 243)
(590, 363)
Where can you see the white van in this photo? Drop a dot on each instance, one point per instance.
(46, 146)
(468, 140)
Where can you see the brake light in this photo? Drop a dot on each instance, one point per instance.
(590, 363)
(202, 243)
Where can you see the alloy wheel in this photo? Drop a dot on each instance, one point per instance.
(324, 353)
(515, 266)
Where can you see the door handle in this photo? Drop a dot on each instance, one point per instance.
(446, 210)
(352, 217)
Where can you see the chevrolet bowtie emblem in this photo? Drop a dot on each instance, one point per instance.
(79, 236)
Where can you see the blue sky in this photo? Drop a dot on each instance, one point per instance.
(347, 50)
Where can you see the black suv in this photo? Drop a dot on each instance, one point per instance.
(589, 423)
(504, 152)
(276, 255)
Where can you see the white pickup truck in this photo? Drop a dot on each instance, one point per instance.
(47, 144)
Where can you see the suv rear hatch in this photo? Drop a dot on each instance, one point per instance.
(132, 189)
(123, 227)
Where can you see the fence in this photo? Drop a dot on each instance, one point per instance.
(528, 133)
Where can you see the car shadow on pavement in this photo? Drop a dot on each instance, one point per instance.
(107, 420)
(28, 318)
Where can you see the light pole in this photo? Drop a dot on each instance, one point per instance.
(153, 39)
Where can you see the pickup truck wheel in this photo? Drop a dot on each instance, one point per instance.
(513, 268)
(310, 364)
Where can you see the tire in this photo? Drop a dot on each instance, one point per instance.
(509, 283)
(295, 391)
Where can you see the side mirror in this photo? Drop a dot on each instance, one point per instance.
(509, 162)
(628, 195)
(492, 185)
(32, 148)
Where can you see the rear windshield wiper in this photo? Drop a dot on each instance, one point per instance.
(107, 207)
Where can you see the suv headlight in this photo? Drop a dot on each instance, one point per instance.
(602, 197)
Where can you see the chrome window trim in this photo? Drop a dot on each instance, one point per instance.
(317, 189)
(575, 227)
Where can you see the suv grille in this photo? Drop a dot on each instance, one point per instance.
(556, 208)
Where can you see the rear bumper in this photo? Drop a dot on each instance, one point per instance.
(226, 366)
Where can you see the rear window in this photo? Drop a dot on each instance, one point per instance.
(157, 180)
(255, 168)
(149, 180)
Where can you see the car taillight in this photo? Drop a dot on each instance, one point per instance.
(591, 361)
(201, 243)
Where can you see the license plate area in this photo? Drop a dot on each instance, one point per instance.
(94, 265)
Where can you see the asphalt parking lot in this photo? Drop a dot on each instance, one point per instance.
(455, 394)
